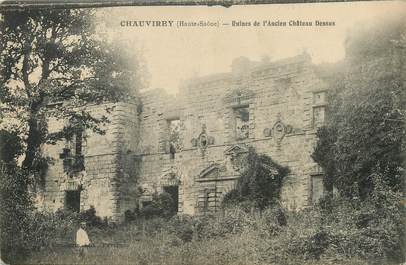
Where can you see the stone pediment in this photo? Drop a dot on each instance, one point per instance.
(214, 172)
(210, 171)
(235, 156)
(235, 150)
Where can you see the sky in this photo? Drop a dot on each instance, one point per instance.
(172, 54)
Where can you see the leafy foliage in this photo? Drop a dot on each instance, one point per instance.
(370, 229)
(90, 217)
(162, 205)
(365, 131)
(342, 231)
(10, 146)
(361, 149)
(52, 65)
(15, 209)
(260, 182)
(15, 201)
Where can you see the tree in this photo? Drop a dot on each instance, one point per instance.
(10, 147)
(15, 202)
(52, 65)
(365, 130)
(260, 182)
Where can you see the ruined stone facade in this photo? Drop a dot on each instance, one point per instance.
(93, 170)
(186, 144)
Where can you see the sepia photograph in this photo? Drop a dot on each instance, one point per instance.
(246, 134)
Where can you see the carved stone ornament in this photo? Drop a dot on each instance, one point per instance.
(211, 140)
(278, 130)
(236, 150)
(267, 132)
(235, 155)
(288, 129)
(203, 140)
(211, 171)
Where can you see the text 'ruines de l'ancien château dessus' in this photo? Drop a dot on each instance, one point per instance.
(280, 23)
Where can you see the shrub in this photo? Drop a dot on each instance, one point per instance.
(89, 216)
(162, 205)
(130, 216)
(234, 221)
(372, 228)
(272, 221)
(260, 182)
(184, 227)
(150, 211)
(35, 230)
(15, 208)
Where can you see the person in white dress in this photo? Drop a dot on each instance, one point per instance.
(82, 239)
(1, 261)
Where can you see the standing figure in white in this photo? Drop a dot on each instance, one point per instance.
(82, 239)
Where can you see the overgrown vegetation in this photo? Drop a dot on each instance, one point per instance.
(162, 205)
(365, 130)
(361, 147)
(15, 203)
(311, 236)
(360, 150)
(260, 182)
(52, 65)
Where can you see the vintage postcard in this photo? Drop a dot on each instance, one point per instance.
(247, 134)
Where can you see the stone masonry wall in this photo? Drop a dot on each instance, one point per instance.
(101, 183)
(279, 95)
(135, 159)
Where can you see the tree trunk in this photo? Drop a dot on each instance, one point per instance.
(34, 137)
(33, 143)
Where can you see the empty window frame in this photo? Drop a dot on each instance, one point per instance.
(319, 109)
(174, 140)
(317, 188)
(241, 122)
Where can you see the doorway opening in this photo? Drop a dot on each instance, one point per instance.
(72, 200)
(174, 192)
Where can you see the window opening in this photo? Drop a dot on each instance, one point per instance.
(319, 116)
(174, 137)
(242, 117)
(317, 188)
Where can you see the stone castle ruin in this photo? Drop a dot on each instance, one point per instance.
(185, 144)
